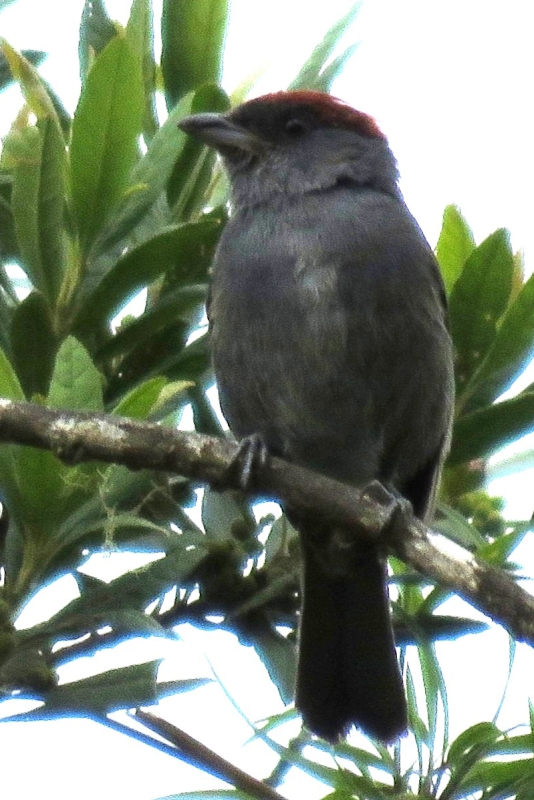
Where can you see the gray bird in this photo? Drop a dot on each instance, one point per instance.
(329, 339)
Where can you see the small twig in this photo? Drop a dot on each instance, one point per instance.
(201, 756)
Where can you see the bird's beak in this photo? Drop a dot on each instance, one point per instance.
(220, 132)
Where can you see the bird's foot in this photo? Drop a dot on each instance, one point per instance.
(392, 504)
(252, 455)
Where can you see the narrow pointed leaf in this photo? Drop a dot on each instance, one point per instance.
(192, 45)
(150, 174)
(126, 687)
(37, 155)
(24, 151)
(334, 68)
(106, 125)
(52, 209)
(139, 402)
(193, 171)
(471, 741)
(477, 302)
(483, 432)
(185, 249)
(9, 249)
(6, 317)
(35, 57)
(511, 351)
(10, 387)
(140, 33)
(181, 305)
(309, 76)
(455, 244)
(279, 656)
(41, 477)
(33, 343)
(30, 82)
(138, 588)
(96, 31)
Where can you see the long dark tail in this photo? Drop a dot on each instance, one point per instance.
(348, 671)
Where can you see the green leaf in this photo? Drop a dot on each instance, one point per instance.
(30, 82)
(334, 68)
(152, 398)
(315, 74)
(279, 655)
(204, 415)
(96, 31)
(482, 432)
(471, 741)
(416, 724)
(505, 777)
(139, 29)
(192, 44)
(182, 305)
(139, 587)
(41, 477)
(51, 209)
(23, 152)
(35, 57)
(499, 551)
(455, 527)
(105, 129)
(92, 523)
(428, 628)
(38, 158)
(435, 690)
(193, 363)
(140, 33)
(510, 353)
(173, 397)
(155, 356)
(138, 403)
(34, 344)
(193, 171)
(126, 687)
(184, 249)
(9, 249)
(149, 175)
(477, 301)
(10, 387)
(455, 245)
(76, 383)
(6, 316)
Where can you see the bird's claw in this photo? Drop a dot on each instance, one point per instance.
(252, 455)
(393, 506)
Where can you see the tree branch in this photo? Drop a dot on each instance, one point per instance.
(371, 513)
(202, 757)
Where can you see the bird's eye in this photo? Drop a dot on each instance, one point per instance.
(295, 128)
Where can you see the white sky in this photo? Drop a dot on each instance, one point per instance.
(450, 83)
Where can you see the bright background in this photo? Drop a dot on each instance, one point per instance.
(450, 82)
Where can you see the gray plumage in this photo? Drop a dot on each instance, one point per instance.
(329, 340)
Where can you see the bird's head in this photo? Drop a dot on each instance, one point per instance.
(290, 143)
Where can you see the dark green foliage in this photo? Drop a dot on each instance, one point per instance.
(112, 205)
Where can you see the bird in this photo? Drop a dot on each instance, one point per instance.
(330, 343)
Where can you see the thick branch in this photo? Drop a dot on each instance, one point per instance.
(371, 513)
